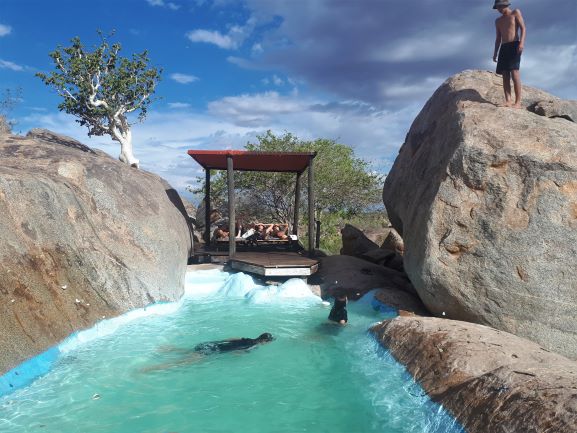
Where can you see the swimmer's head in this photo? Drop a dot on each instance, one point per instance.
(266, 337)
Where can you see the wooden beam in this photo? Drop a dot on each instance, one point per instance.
(311, 210)
(231, 207)
(297, 205)
(207, 206)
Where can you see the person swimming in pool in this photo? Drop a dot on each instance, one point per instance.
(211, 348)
(232, 344)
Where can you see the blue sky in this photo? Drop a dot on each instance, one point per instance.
(357, 71)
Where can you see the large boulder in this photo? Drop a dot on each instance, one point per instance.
(485, 199)
(82, 237)
(491, 381)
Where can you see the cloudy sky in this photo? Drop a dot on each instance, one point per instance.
(357, 71)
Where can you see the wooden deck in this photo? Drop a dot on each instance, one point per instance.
(274, 264)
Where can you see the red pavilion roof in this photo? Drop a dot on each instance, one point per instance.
(244, 160)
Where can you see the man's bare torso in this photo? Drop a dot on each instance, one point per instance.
(508, 26)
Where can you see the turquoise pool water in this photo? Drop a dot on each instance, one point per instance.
(314, 377)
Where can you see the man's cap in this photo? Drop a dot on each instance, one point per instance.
(501, 3)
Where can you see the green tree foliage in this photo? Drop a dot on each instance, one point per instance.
(101, 89)
(343, 183)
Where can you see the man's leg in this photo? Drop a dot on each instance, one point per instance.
(507, 87)
(190, 359)
(517, 84)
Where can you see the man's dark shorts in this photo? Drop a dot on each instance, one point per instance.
(509, 57)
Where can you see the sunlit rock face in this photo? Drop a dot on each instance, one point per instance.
(485, 199)
(82, 237)
(490, 380)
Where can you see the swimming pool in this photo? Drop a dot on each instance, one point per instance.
(314, 377)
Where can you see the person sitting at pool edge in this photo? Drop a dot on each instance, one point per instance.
(338, 313)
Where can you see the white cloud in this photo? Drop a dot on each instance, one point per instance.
(257, 48)
(254, 109)
(161, 142)
(162, 3)
(212, 37)
(425, 46)
(412, 90)
(5, 64)
(536, 69)
(242, 63)
(183, 78)
(235, 37)
(274, 80)
(5, 30)
(374, 135)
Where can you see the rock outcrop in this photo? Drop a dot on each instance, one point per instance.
(82, 237)
(355, 242)
(356, 277)
(491, 381)
(394, 242)
(485, 199)
(556, 108)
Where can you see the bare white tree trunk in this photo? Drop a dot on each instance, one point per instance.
(123, 135)
(120, 131)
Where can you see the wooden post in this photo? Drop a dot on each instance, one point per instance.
(297, 205)
(207, 207)
(311, 209)
(231, 207)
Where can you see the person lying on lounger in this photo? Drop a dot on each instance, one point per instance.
(279, 231)
(221, 233)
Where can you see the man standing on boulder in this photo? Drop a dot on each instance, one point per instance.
(509, 44)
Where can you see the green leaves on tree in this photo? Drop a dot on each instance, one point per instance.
(101, 88)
